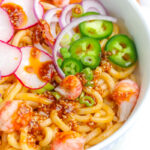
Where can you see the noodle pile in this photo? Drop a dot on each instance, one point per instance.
(95, 123)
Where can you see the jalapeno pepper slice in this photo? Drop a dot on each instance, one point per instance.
(98, 29)
(85, 46)
(71, 66)
(90, 61)
(123, 50)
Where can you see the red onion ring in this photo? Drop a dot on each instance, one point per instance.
(68, 28)
(51, 15)
(38, 9)
(64, 20)
(93, 5)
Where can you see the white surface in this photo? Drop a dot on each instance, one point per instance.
(138, 137)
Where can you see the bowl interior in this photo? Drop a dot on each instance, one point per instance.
(130, 20)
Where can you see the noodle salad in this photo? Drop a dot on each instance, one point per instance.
(67, 74)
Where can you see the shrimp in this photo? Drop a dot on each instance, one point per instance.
(13, 115)
(75, 1)
(70, 140)
(125, 94)
(70, 87)
(61, 3)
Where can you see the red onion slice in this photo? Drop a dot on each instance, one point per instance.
(69, 27)
(53, 29)
(64, 20)
(6, 27)
(51, 15)
(39, 46)
(93, 5)
(30, 80)
(38, 9)
(27, 6)
(51, 18)
(10, 59)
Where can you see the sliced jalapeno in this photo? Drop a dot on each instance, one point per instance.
(85, 46)
(90, 61)
(123, 50)
(71, 66)
(98, 29)
(87, 100)
(88, 73)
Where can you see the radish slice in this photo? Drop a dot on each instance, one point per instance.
(68, 29)
(10, 58)
(25, 13)
(31, 65)
(93, 5)
(6, 27)
(38, 9)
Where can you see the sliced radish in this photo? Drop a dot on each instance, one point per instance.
(38, 9)
(10, 59)
(32, 63)
(23, 10)
(6, 27)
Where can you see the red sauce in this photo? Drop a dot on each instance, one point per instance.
(17, 14)
(42, 34)
(22, 117)
(44, 70)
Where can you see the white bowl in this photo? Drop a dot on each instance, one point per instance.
(129, 15)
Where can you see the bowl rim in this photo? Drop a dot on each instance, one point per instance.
(133, 117)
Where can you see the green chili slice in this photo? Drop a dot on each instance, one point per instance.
(87, 100)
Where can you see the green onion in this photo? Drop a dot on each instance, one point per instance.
(65, 53)
(87, 100)
(40, 91)
(47, 87)
(75, 37)
(77, 11)
(89, 83)
(88, 73)
(59, 61)
(82, 94)
(56, 95)
(65, 42)
(1, 100)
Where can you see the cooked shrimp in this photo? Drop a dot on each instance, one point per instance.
(61, 3)
(70, 87)
(68, 141)
(75, 1)
(125, 94)
(13, 115)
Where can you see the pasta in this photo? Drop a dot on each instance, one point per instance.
(46, 115)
